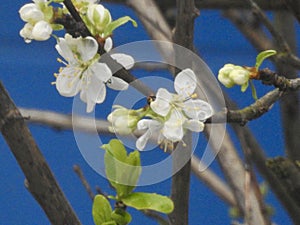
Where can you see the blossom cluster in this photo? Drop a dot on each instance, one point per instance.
(38, 17)
(82, 72)
(169, 115)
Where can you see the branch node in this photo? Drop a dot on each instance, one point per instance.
(12, 115)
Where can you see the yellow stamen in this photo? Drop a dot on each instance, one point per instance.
(194, 95)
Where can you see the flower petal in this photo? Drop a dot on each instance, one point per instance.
(197, 109)
(94, 91)
(67, 83)
(153, 127)
(194, 125)
(148, 124)
(173, 129)
(125, 60)
(185, 82)
(31, 13)
(41, 31)
(87, 48)
(239, 76)
(142, 140)
(26, 32)
(161, 104)
(65, 51)
(108, 44)
(101, 71)
(117, 84)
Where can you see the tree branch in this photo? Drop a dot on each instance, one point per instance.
(184, 36)
(39, 179)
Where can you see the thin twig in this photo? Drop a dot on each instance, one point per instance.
(84, 181)
(157, 217)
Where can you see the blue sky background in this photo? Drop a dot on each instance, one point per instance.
(27, 71)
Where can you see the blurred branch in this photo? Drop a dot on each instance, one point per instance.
(294, 7)
(60, 121)
(288, 173)
(257, 156)
(250, 28)
(213, 181)
(155, 24)
(257, 37)
(290, 104)
(39, 179)
(218, 4)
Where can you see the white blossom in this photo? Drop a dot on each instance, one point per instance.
(176, 113)
(83, 72)
(185, 85)
(167, 132)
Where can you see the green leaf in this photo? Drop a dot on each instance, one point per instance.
(117, 23)
(57, 26)
(254, 95)
(101, 210)
(262, 56)
(121, 170)
(121, 216)
(152, 201)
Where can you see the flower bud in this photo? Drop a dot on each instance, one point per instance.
(123, 121)
(223, 75)
(99, 17)
(41, 31)
(239, 75)
(26, 32)
(31, 13)
(230, 75)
